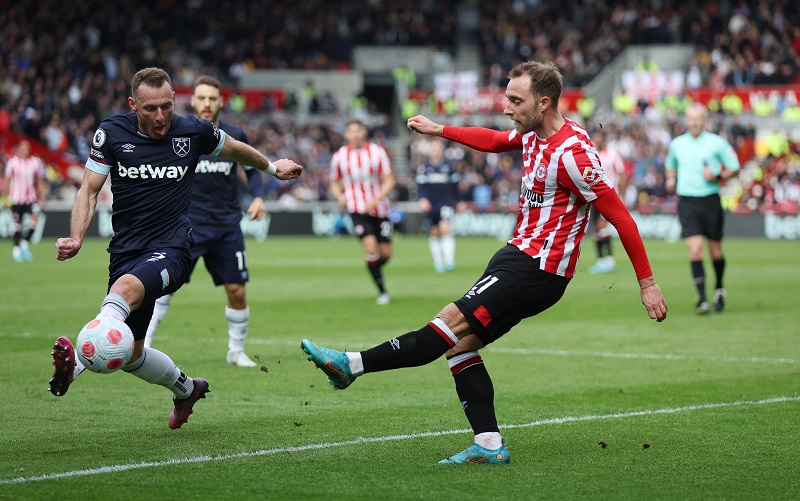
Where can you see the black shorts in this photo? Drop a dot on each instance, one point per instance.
(513, 287)
(701, 216)
(439, 213)
(223, 253)
(162, 271)
(380, 227)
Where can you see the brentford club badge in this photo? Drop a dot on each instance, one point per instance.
(180, 145)
(541, 173)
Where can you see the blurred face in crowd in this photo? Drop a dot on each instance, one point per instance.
(207, 101)
(436, 151)
(522, 106)
(695, 120)
(355, 134)
(599, 140)
(24, 149)
(154, 109)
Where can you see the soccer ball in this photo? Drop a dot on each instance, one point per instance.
(105, 344)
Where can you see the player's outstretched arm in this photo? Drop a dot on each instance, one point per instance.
(82, 214)
(245, 154)
(425, 125)
(613, 209)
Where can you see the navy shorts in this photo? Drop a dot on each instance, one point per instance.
(512, 288)
(380, 227)
(223, 253)
(439, 213)
(162, 271)
(701, 216)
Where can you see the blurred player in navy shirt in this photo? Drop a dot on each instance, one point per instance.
(215, 216)
(437, 186)
(151, 155)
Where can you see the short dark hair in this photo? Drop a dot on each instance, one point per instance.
(151, 77)
(546, 79)
(207, 80)
(356, 121)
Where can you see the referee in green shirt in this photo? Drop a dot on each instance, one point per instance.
(696, 163)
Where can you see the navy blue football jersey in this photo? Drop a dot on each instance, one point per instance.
(151, 180)
(437, 183)
(215, 196)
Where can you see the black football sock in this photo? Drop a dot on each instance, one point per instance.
(475, 390)
(377, 276)
(409, 350)
(719, 270)
(699, 279)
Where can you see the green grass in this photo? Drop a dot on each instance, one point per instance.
(593, 368)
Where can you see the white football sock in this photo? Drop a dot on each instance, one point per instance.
(237, 327)
(489, 440)
(435, 245)
(356, 363)
(449, 249)
(115, 306)
(159, 312)
(156, 367)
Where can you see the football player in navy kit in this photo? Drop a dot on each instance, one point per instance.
(151, 155)
(215, 216)
(437, 184)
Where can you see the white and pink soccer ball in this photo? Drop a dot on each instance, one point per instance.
(105, 344)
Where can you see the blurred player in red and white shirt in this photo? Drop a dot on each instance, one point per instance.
(562, 177)
(614, 168)
(361, 181)
(24, 194)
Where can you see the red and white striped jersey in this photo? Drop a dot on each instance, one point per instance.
(23, 174)
(561, 176)
(613, 165)
(360, 171)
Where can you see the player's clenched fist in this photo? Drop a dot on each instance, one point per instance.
(67, 248)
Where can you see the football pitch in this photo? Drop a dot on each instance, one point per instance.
(595, 400)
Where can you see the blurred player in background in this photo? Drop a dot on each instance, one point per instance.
(614, 167)
(215, 216)
(361, 181)
(561, 178)
(437, 186)
(151, 155)
(24, 194)
(696, 163)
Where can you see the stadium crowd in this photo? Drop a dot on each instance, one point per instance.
(63, 67)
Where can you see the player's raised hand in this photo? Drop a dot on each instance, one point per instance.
(287, 169)
(67, 248)
(424, 125)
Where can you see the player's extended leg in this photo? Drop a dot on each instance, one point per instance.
(237, 312)
(435, 246)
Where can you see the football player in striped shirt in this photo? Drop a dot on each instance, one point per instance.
(24, 194)
(562, 179)
(361, 181)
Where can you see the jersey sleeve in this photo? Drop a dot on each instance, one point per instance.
(728, 156)
(583, 174)
(212, 139)
(613, 209)
(483, 139)
(385, 163)
(255, 181)
(101, 154)
(671, 162)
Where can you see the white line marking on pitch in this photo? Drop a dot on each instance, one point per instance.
(521, 351)
(389, 438)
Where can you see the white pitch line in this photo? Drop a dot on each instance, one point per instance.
(389, 438)
(519, 351)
